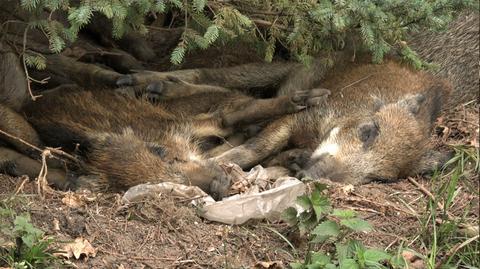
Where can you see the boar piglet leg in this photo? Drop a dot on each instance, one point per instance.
(16, 164)
(270, 140)
(266, 109)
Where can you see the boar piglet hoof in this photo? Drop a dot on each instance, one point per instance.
(126, 80)
(219, 187)
(171, 87)
(308, 98)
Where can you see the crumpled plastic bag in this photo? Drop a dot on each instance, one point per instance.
(265, 193)
(270, 204)
(140, 192)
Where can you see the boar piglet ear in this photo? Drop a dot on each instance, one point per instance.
(377, 103)
(412, 103)
(367, 132)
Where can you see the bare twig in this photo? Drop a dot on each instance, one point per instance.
(52, 150)
(355, 82)
(42, 183)
(440, 205)
(421, 188)
(430, 195)
(25, 33)
(20, 188)
(21, 140)
(265, 23)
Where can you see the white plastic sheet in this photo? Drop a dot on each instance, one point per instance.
(266, 194)
(240, 208)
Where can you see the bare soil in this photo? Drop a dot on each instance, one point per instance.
(166, 232)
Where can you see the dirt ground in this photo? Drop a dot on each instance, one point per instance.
(166, 232)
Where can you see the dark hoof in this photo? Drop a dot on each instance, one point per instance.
(219, 187)
(126, 80)
(308, 98)
(297, 160)
(155, 91)
(9, 168)
(302, 174)
(66, 183)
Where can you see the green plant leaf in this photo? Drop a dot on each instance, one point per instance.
(35, 61)
(342, 251)
(198, 5)
(319, 239)
(320, 204)
(304, 202)
(344, 213)
(307, 223)
(297, 265)
(177, 55)
(397, 261)
(177, 3)
(211, 34)
(320, 258)
(327, 228)
(320, 187)
(289, 215)
(349, 264)
(357, 224)
(375, 256)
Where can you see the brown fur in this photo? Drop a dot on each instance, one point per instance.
(126, 141)
(390, 106)
(456, 52)
(13, 82)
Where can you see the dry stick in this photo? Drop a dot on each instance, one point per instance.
(429, 194)
(355, 82)
(34, 97)
(454, 250)
(42, 183)
(20, 188)
(20, 140)
(53, 150)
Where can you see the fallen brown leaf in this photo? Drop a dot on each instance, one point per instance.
(269, 265)
(76, 200)
(78, 248)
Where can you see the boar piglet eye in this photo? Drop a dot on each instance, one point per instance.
(367, 132)
(158, 150)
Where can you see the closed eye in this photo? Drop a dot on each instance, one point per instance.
(158, 150)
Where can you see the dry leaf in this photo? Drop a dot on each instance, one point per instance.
(269, 265)
(77, 199)
(56, 224)
(78, 248)
(72, 200)
(347, 189)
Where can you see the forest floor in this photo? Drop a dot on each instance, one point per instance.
(166, 232)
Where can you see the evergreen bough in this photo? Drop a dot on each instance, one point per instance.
(303, 27)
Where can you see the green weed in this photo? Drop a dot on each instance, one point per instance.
(330, 230)
(24, 246)
(447, 245)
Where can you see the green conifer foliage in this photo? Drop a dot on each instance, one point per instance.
(304, 27)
